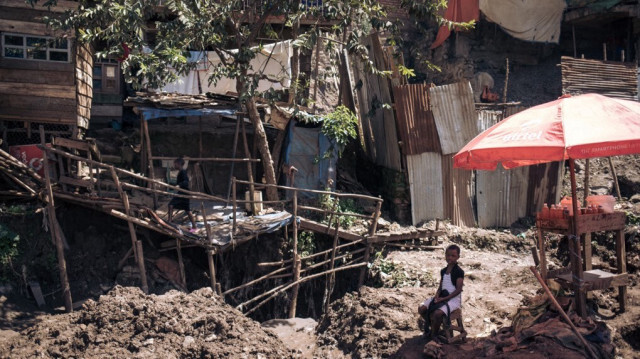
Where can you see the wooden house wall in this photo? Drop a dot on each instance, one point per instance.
(35, 91)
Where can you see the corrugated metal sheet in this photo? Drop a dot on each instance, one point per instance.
(416, 126)
(545, 185)
(455, 115)
(615, 79)
(457, 198)
(378, 124)
(501, 196)
(426, 186)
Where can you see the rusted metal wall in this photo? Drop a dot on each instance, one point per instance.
(426, 186)
(378, 124)
(501, 196)
(455, 115)
(416, 127)
(615, 79)
(457, 194)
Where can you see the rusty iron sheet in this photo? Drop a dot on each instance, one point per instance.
(457, 197)
(455, 115)
(416, 127)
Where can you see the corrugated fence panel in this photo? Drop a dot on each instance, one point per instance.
(457, 194)
(416, 127)
(615, 79)
(378, 123)
(426, 186)
(501, 196)
(455, 115)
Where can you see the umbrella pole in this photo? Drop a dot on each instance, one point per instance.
(575, 250)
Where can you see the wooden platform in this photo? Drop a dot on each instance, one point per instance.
(596, 279)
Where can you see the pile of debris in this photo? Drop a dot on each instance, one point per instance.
(126, 323)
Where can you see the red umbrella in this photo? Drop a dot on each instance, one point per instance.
(577, 127)
(570, 128)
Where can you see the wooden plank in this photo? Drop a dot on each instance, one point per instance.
(323, 228)
(20, 64)
(37, 293)
(75, 182)
(38, 114)
(588, 223)
(57, 91)
(37, 76)
(61, 5)
(28, 28)
(69, 143)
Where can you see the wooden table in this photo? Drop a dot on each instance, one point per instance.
(588, 223)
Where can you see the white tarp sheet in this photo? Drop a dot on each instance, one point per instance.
(274, 60)
(531, 20)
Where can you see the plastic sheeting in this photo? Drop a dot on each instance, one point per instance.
(150, 113)
(274, 60)
(305, 150)
(531, 20)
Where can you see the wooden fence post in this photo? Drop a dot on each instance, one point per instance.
(367, 252)
(51, 213)
(212, 267)
(125, 202)
(296, 258)
(235, 204)
(143, 272)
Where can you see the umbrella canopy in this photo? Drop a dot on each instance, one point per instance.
(583, 126)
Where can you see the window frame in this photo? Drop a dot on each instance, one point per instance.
(25, 48)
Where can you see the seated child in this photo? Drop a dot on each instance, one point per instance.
(448, 297)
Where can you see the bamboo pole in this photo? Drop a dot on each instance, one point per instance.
(264, 277)
(235, 149)
(51, 212)
(615, 178)
(296, 259)
(212, 267)
(302, 280)
(562, 313)
(183, 276)
(208, 159)
(21, 165)
(332, 277)
(319, 264)
(150, 162)
(249, 169)
(506, 83)
(235, 205)
(367, 253)
(127, 211)
(143, 272)
(337, 194)
(134, 175)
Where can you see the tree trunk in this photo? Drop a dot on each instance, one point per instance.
(263, 148)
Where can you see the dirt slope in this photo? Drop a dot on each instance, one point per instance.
(126, 323)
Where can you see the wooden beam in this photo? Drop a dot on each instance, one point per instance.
(69, 143)
(323, 228)
(75, 182)
(28, 89)
(61, 5)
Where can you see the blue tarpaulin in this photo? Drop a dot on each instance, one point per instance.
(150, 113)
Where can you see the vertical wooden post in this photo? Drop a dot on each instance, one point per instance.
(127, 211)
(585, 238)
(575, 49)
(296, 258)
(543, 255)
(367, 251)
(51, 213)
(586, 182)
(233, 163)
(332, 275)
(574, 246)
(150, 170)
(143, 154)
(212, 268)
(247, 154)
(615, 178)
(183, 276)
(143, 271)
(621, 259)
(90, 165)
(235, 204)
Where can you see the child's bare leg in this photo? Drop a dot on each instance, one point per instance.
(436, 321)
(192, 218)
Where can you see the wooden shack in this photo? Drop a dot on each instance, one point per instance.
(45, 76)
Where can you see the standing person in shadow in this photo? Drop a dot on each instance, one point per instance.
(181, 203)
